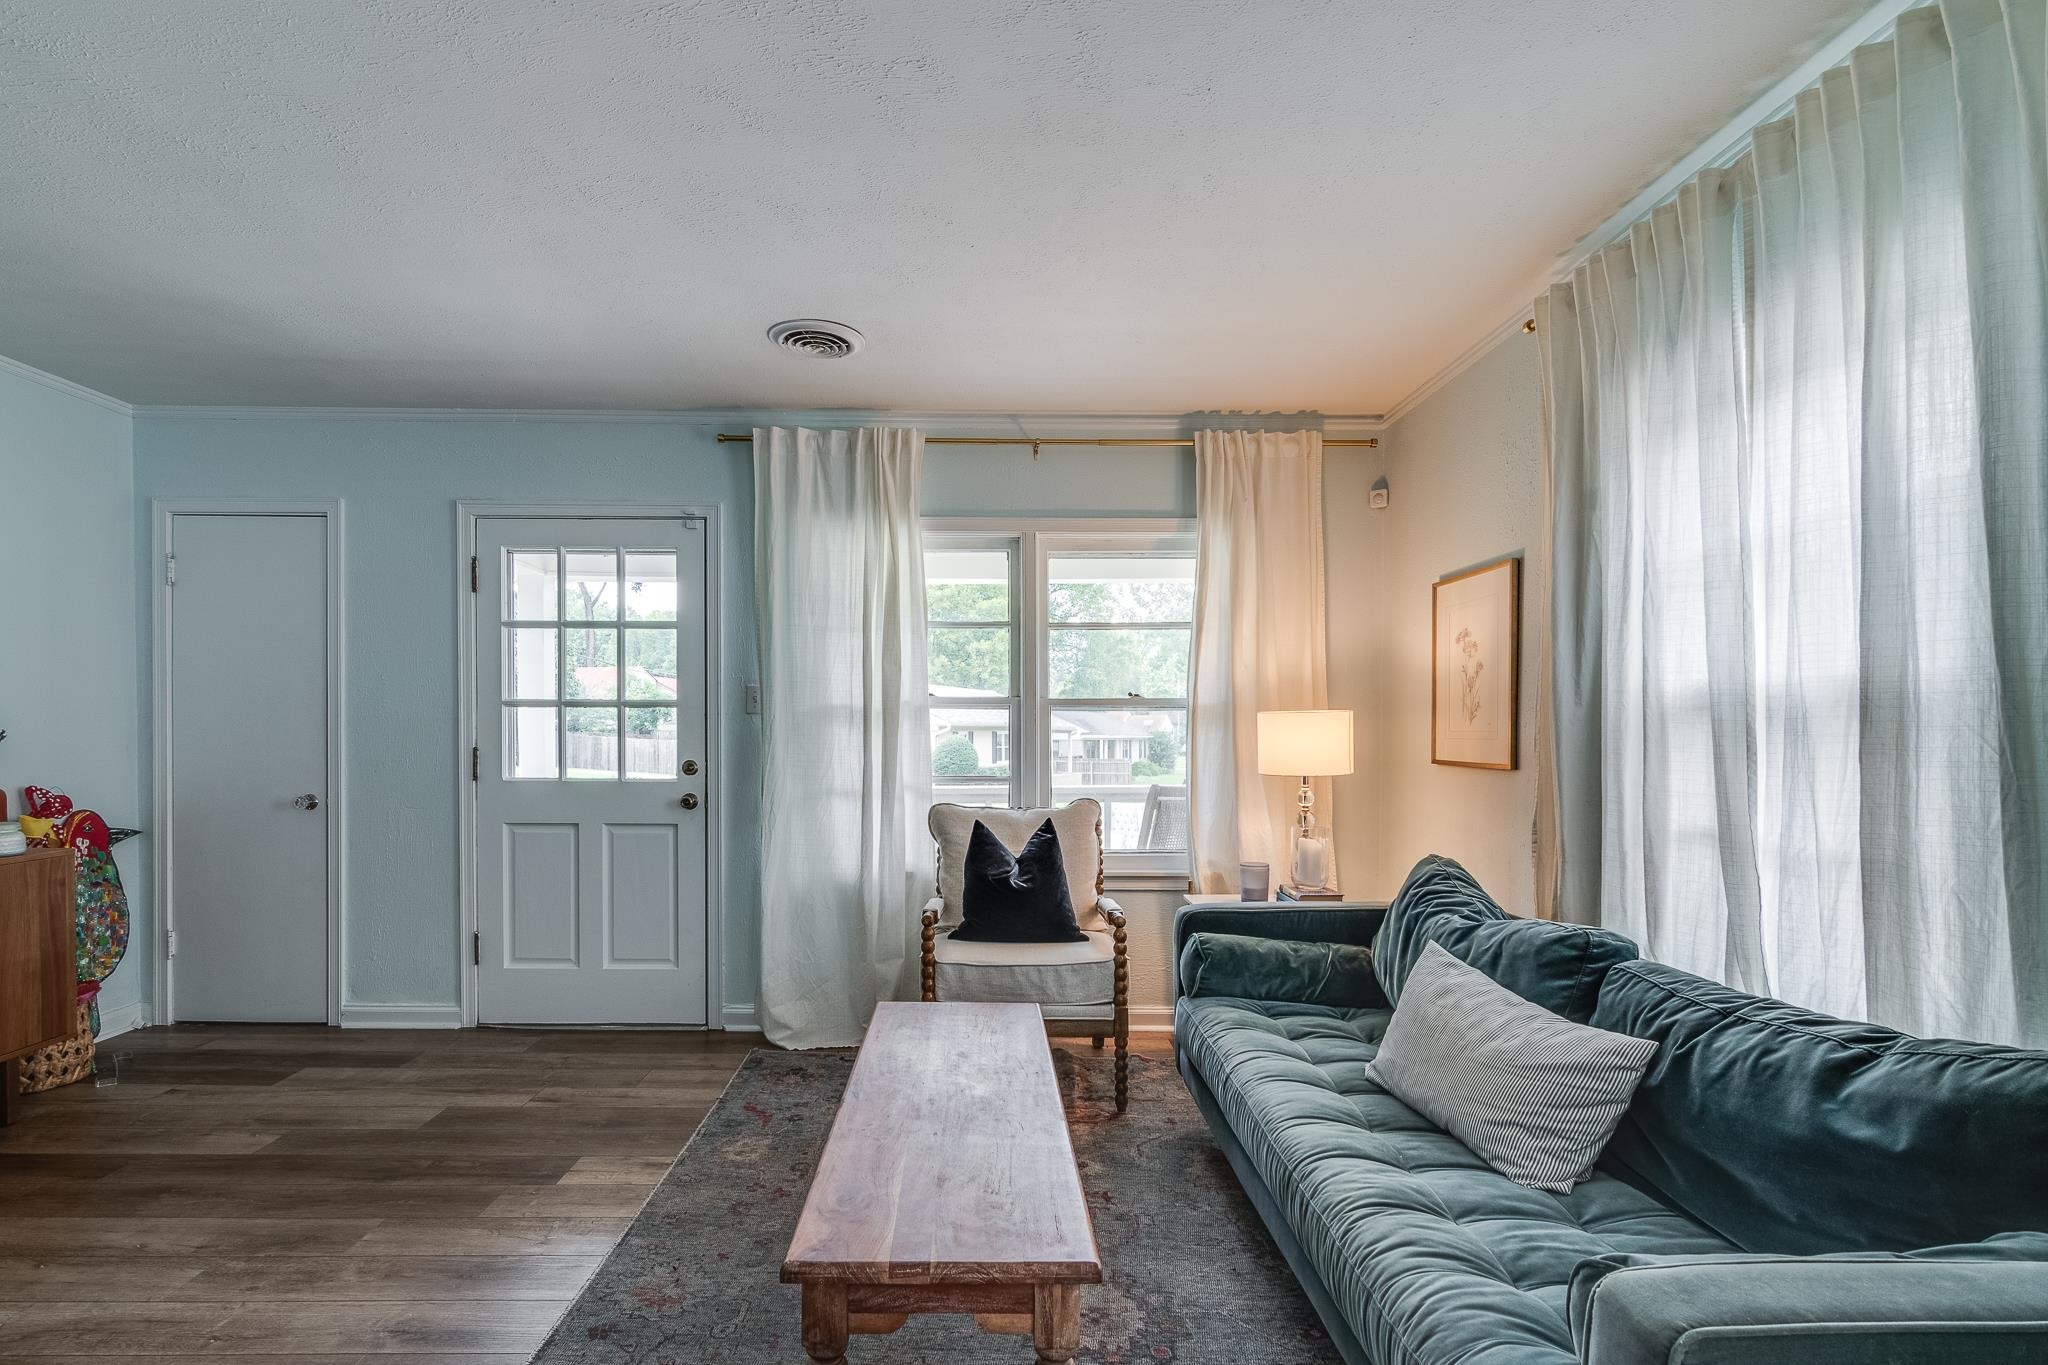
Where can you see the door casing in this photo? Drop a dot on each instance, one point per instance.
(718, 788)
(163, 620)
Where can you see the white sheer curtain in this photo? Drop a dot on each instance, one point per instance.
(1800, 665)
(845, 861)
(1260, 642)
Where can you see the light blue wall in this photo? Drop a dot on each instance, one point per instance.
(71, 689)
(400, 480)
(1064, 481)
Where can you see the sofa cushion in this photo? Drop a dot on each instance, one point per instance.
(1557, 966)
(1789, 1131)
(1534, 1094)
(1278, 969)
(1431, 1255)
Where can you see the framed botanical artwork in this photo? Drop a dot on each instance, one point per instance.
(1476, 666)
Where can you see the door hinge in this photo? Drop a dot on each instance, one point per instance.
(476, 948)
(474, 763)
(472, 573)
(170, 571)
(171, 943)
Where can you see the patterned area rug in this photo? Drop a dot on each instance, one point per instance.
(1190, 1274)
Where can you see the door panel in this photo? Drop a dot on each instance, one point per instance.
(642, 910)
(540, 882)
(246, 740)
(591, 727)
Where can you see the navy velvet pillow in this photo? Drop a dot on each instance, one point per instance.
(1016, 897)
(1557, 966)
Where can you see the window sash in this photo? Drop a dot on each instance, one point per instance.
(1030, 545)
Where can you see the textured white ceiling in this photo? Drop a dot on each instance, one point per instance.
(1027, 205)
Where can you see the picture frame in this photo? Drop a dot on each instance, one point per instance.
(1475, 669)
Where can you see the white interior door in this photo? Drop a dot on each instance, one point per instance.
(246, 749)
(591, 859)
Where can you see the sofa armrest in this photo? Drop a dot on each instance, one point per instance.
(933, 908)
(1353, 922)
(1780, 1310)
(1110, 911)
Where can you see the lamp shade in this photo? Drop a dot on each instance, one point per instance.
(1305, 743)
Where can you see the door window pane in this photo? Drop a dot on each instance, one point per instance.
(650, 673)
(1135, 762)
(535, 586)
(651, 744)
(650, 585)
(593, 663)
(970, 661)
(967, 585)
(593, 585)
(971, 755)
(530, 664)
(530, 743)
(1110, 663)
(592, 743)
(1119, 589)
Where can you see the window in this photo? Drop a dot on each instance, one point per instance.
(590, 644)
(1059, 658)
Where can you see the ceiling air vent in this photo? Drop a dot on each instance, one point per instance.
(817, 338)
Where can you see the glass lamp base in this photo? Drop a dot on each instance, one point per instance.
(1311, 865)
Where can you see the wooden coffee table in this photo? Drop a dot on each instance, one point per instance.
(948, 1186)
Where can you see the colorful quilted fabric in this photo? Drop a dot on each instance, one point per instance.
(102, 906)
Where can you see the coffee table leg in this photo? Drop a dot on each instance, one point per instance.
(1056, 1322)
(825, 1323)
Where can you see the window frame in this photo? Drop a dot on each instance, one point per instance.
(1031, 542)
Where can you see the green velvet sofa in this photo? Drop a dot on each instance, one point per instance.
(1784, 1187)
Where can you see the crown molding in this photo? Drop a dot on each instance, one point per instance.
(1023, 426)
(1721, 149)
(65, 386)
(1465, 361)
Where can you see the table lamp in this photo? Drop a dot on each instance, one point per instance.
(1307, 744)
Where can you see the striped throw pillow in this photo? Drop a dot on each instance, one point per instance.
(1533, 1095)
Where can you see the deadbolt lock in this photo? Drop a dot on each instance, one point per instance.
(689, 767)
(689, 800)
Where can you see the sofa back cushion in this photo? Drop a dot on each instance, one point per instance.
(1557, 966)
(1787, 1131)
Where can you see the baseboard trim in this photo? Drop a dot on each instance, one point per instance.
(1151, 1018)
(739, 1019)
(124, 1019)
(401, 1016)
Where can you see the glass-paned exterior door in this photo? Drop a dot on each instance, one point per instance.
(591, 847)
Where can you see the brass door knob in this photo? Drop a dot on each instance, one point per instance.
(689, 767)
(689, 800)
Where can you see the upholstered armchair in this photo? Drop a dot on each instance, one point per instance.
(1082, 989)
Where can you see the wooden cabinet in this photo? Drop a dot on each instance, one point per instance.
(38, 960)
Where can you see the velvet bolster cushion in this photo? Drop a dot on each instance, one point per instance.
(1243, 968)
(1557, 966)
(1791, 1132)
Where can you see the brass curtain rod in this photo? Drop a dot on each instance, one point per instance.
(1367, 442)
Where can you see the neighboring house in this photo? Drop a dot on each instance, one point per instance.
(1091, 746)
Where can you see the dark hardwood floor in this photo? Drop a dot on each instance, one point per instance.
(320, 1195)
(302, 1195)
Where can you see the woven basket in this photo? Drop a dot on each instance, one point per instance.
(61, 1063)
